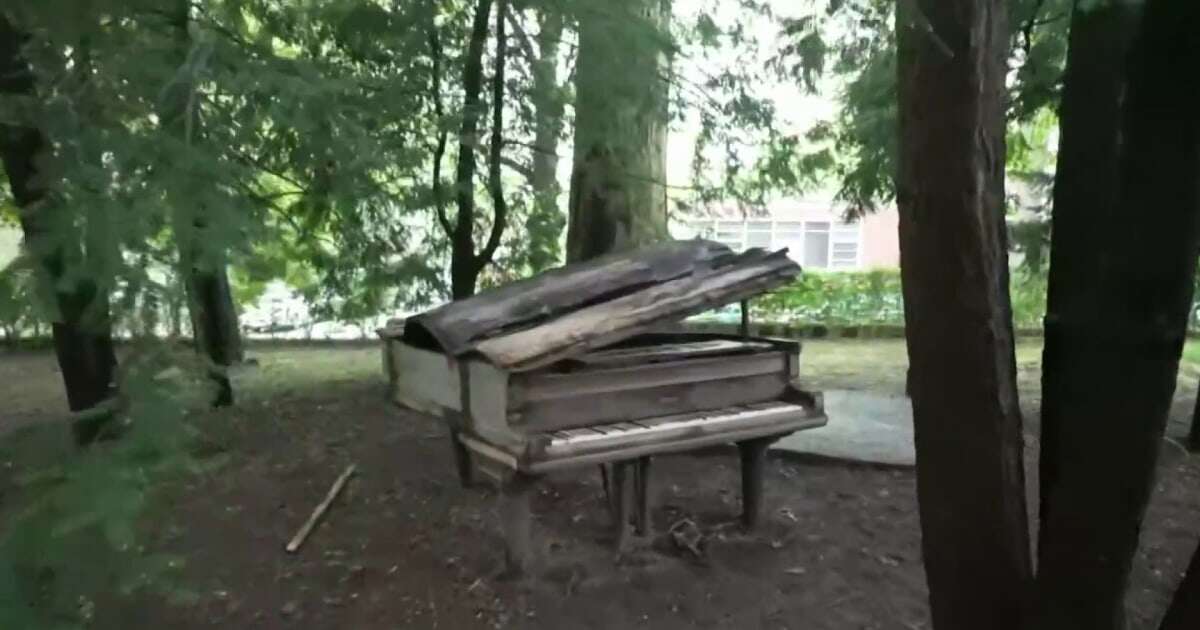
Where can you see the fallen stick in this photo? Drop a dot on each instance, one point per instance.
(320, 510)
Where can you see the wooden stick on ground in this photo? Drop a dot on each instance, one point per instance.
(320, 510)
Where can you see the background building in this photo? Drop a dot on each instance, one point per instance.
(814, 232)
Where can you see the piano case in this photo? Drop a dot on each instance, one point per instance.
(567, 368)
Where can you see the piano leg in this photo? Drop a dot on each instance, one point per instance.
(515, 512)
(462, 459)
(623, 502)
(609, 497)
(642, 483)
(753, 455)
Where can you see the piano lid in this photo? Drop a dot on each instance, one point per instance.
(573, 309)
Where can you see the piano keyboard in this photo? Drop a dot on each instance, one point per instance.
(691, 430)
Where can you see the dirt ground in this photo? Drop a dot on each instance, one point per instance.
(405, 546)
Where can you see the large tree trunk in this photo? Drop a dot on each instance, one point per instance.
(1123, 258)
(1184, 612)
(210, 301)
(1193, 440)
(967, 421)
(81, 328)
(618, 181)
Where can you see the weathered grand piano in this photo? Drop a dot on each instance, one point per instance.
(585, 365)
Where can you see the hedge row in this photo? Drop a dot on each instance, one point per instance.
(874, 298)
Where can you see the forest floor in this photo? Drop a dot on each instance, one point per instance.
(405, 546)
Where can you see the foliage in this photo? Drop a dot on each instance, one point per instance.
(74, 530)
(859, 144)
(742, 153)
(871, 297)
(18, 311)
(875, 297)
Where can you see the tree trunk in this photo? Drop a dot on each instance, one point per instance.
(1184, 612)
(210, 301)
(1123, 260)
(210, 290)
(82, 329)
(967, 420)
(464, 264)
(548, 111)
(618, 181)
(212, 313)
(1193, 441)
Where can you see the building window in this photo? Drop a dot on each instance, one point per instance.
(814, 244)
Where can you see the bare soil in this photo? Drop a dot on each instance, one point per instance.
(405, 546)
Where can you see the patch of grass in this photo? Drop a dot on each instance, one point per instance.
(1191, 353)
(292, 370)
(33, 387)
(882, 364)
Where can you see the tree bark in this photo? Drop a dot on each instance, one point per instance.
(1085, 181)
(1184, 612)
(206, 277)
(210, 290)
(548, 112)
(1193, 440)
(82, 329)
(1123, 259)
(967, 420)
(618, 183)
(464, 264)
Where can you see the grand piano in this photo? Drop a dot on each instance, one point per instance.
(588, 364)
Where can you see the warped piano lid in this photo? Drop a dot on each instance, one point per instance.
(569, 311)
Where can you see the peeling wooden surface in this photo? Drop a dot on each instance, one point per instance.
(569, 311)
(609, 322)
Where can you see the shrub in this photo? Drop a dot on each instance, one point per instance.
(836, 298)
(864, 298)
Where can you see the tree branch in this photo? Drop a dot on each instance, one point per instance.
(443, 135)
(523, 38)
(525, 170)
(499, 205)
(532, 147)
(1028, 26)
(252, 161)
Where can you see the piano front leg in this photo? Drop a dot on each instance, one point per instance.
(753, 455)
(642, 495)
(462, 458)
(515, 513)
(622, 486)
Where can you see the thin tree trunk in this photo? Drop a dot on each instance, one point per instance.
(548, 113)
(618, 183)
(1184, 612)
(210, 301)
(81, 328)
(1123, 260)
(465, 263)
(967, 420)
(464, 267)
